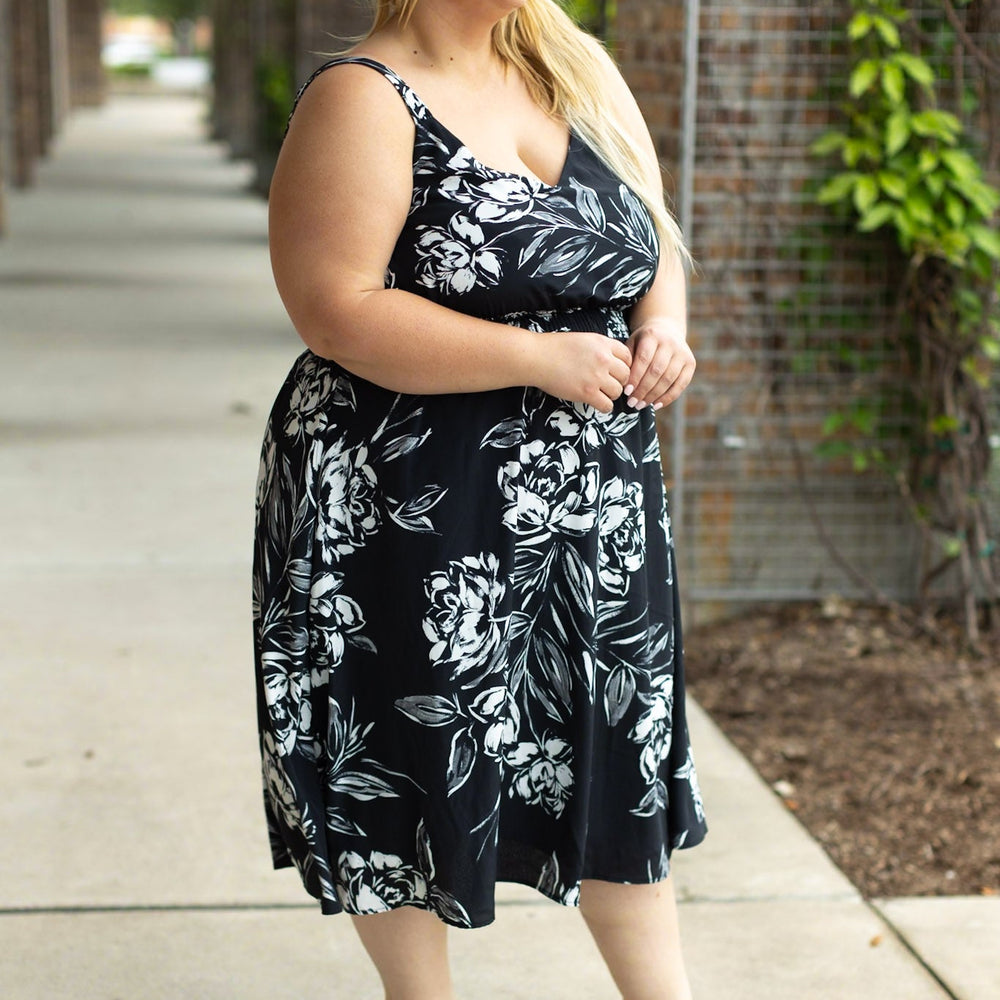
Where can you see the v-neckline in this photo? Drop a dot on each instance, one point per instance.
(528, 178)
(531, 179)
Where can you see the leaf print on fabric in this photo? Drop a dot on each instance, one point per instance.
(334, 620)
(458, 258)
(350, 774)
(550, 884)
(412, 514)
(548, 489)
(686, 772)
(347, 492)
(443, 903)
(542, 773)
(464, 623)
(622, 530)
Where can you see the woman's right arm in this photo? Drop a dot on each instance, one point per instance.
(339, 198)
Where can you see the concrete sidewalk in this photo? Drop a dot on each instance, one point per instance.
(141, 342)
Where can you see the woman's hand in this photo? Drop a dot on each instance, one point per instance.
(662, 363)
(582, 367)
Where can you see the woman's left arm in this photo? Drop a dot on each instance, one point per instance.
(662, 361)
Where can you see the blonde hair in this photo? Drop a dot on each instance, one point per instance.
(561, 66)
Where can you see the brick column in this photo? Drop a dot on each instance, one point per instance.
(26, 123)
(233, 111)
(316, 21)
(87, 83)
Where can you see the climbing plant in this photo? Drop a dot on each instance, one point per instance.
(908, 167)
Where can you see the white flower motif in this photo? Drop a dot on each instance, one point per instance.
(316, 387)
(286, 684)
(547, 490)
(587, 427)
(464, 622)
(622, 530)
(347, 492)
(378, 883)
(490, 199)
(456, 259)
(543, 773)
(654, 729)
(497, 709)
(279, 790)
(332, 616)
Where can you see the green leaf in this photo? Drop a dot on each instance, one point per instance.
(943, 424)
(915, 68)
(859, 26)
(988, 240)
(934, 183)
(827, 143)
(897, 131)
(927, 161)
(954, 208)
(837, 188)
(962, 166)
(955, 245)
(888, 31)
(939, 124)
(875, 217)
(984, 197)
(990, 346)
(859, 461)
(892, 184)
(862, 77)
(893, 82)
(865, 193)
(952, 547)
(919, 208)
(832, 423)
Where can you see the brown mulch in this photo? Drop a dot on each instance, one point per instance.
(885, 744)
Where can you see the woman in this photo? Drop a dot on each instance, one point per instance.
(469, 660)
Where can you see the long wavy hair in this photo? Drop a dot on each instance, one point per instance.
(561, 68)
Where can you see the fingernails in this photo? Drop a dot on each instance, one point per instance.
(657, 406)
(633, 402)
(629, 389)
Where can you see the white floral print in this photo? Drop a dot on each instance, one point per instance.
(548, 489)
(457, 258)
(622, 529)
(463, 622)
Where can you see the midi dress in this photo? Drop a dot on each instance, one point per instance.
(467, 634)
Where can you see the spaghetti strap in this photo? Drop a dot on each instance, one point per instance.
(416, 107)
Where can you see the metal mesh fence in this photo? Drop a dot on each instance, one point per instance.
(788, 317)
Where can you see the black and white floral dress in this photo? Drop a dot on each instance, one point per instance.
(466, 620)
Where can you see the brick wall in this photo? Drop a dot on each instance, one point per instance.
(783, 301)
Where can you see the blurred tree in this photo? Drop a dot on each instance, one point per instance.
(180, 13)
(596, 16)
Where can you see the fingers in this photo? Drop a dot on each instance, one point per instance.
(662, 368)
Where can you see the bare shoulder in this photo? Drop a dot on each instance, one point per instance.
(350, 104)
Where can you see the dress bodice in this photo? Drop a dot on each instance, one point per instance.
(497, 244)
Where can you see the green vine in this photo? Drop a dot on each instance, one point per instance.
(907, 168)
